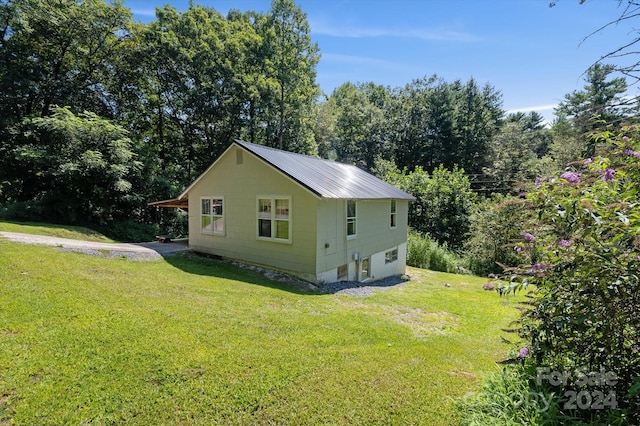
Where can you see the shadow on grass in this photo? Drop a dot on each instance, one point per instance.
(214, 266)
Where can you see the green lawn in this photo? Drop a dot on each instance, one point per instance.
(61, 231)
(190, 340)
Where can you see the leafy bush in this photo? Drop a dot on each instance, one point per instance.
(76, 168)
(425, 253)
(22, 211)
(129, 231)
(444, 202)
(583, 251)
(491, 244)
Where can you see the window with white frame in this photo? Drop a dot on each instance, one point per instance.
(365, 271)
(274, 218)
(212, 215)
(351, 218)
(392, 217)
(391, 256)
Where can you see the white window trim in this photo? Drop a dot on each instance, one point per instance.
(355, 219)
(393, 213)
(386, 261)
(273, 199)
(224, 210)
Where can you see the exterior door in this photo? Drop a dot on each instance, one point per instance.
(365, 269)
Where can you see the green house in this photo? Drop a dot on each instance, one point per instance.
(321, 220)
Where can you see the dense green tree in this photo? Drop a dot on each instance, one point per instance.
(290, 58)
(361, 133)
(478, 115)
(533, 123)
(71, 168)
(192, 94)
(58, 52)
(599, 102)
(444, 201)
(439, 123)
(324, 128)
(424, 122)
(513, 158)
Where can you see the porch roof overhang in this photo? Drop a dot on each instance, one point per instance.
(175, 203)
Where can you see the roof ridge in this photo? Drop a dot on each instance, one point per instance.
(241, 142)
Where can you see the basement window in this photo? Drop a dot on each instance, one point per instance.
(391, 256)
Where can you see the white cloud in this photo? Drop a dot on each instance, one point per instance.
(144, 12)
(539, 108)
(417, 33)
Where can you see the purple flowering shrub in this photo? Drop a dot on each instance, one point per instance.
(581, 261)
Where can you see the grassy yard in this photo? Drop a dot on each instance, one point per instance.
(61, 231)
(190, 340)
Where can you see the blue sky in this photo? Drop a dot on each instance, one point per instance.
(531, 53)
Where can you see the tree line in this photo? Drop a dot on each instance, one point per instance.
(100, 114)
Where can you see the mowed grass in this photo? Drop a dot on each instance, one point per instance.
(60, 231)
(191, 340)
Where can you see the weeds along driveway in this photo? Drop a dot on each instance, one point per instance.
(138, 251)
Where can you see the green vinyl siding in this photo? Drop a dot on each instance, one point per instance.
(373, 231)
(304, 234)
(242, 185)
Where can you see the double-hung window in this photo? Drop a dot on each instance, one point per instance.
(274, 218)
(212, 215)
(351, 218)
(392, 217)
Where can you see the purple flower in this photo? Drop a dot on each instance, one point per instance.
(519, 249)
(588, 161)
(488, 286)
(608, 175)
(529, 237)
(631, 152)
(538, 182)
(523, 352)
(625, 138)
(571, 177)
(564, 243)
(538, 267)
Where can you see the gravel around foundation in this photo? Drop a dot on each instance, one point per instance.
(355, 288)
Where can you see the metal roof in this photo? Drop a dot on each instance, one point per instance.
(325, 178)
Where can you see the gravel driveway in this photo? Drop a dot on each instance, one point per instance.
(138, 251)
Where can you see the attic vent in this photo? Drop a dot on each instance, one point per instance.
(238, 156)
